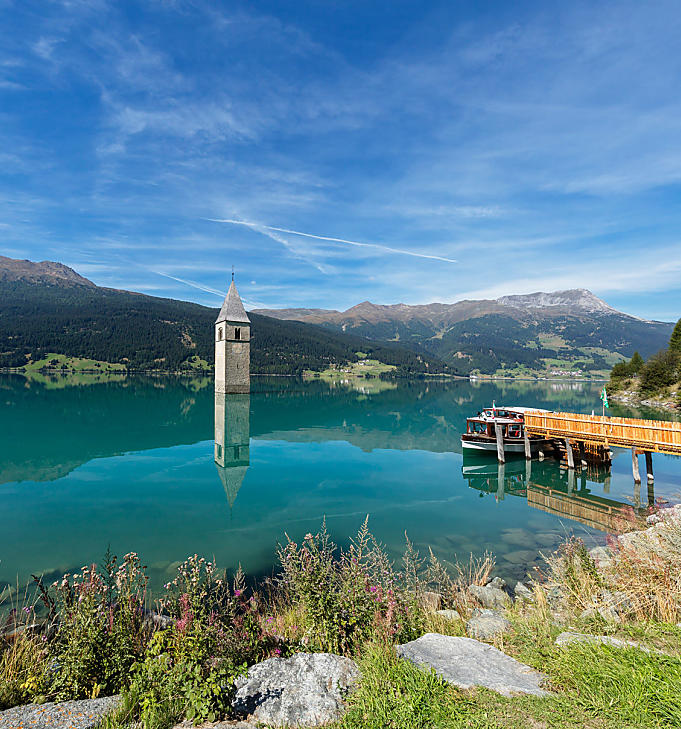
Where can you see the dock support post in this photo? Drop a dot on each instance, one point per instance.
(528, 472)
(637, 494)
(634, 466)
(528, 449)
(649, 467)
(570, 454)
(582, 454)
(501, 480)
(651, 494)
(571, 481)
(606, 484)
(500, 442)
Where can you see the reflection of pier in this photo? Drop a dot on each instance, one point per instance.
(563, 493)
(232, 441)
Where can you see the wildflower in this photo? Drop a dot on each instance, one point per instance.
(27, 610)
(269, 620)
(237, 593)
(373, 588)
(277, 651)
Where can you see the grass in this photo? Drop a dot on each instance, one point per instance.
(75, 364)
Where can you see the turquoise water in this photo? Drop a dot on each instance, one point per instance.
(131, 464)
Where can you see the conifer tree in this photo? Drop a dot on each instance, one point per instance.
(675, 340)
(636, 363)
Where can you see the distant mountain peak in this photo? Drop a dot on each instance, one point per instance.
(573, 299)
(44, 272)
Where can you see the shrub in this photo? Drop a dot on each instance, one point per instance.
(101, 630)
(348, 596)
(22, 670)
(660, 371)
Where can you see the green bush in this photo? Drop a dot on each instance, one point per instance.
(101, 631)
(660, 371)
(349, 596)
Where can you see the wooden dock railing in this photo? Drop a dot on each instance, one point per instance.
(647, 435)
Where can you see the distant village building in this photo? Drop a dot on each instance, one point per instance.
(232, 345)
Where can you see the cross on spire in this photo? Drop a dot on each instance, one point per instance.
(232, 273)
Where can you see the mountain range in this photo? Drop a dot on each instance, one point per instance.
(47, 307)
(570, 330)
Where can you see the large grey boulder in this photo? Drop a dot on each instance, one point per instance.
(465, 663)
(486, 624)
(85, 714)
(490, 596)
(307, 689)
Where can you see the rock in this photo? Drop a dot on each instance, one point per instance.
(520, 556)
(607, 612)
(465, 663)
(85, 714)
(430, 601)
(304, 690)
(158, 621)
(497, 582)
(601, 556)
(620, 601)
(555, 598)
(486, 624)
(489, 596)
(449, 614)
(522, 592)
(570, 637)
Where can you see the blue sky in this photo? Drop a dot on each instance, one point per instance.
(430, 151)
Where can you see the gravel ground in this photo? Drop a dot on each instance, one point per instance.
(70, 715)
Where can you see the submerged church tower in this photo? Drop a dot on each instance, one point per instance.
(232, 345)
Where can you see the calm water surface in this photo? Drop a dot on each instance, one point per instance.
(158, 466)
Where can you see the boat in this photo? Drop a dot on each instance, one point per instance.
(481, 431)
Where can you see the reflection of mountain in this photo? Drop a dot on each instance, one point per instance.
(232, 441)
(553, 490)
(49, 432)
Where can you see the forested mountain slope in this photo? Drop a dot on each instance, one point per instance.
(48, 308)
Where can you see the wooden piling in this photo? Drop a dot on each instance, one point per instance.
(570, 455)
(501, 480)
(528, 448)
(499, 429)
(649, 467)
(634, 466)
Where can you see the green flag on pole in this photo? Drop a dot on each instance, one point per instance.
(604, 397)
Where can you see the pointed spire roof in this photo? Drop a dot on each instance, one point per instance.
(232, 308)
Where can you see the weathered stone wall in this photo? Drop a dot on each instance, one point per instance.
(232, 358)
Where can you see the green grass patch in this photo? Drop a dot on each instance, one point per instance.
(395, 693)
(74, 364)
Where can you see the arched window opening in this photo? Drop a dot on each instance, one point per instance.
(219, 334)
(237, 333)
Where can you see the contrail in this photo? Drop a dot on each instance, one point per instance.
(200, 287)
(401, 251)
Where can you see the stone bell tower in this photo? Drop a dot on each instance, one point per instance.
(232, 345)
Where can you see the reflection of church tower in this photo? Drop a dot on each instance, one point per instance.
(232, 345)
(232, 437)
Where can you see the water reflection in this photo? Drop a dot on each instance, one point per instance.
(232, 441)
(566, 493)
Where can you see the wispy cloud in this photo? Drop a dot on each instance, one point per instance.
(344, 241)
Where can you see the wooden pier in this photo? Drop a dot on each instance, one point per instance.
(589, 437)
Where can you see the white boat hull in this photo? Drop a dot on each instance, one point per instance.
(491, 446)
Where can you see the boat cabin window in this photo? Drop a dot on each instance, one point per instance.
(513, 431)
(476, 426)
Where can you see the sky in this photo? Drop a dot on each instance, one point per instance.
(340, 151)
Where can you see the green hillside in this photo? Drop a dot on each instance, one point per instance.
(142, 332)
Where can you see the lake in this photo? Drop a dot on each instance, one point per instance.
(159, 467)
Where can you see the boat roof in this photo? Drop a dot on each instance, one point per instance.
(518, 409)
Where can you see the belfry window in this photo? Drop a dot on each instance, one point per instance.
(219, 334)
(237, 333)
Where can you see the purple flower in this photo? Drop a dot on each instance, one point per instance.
(27, 610)
(237, 593)
(373, 588)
